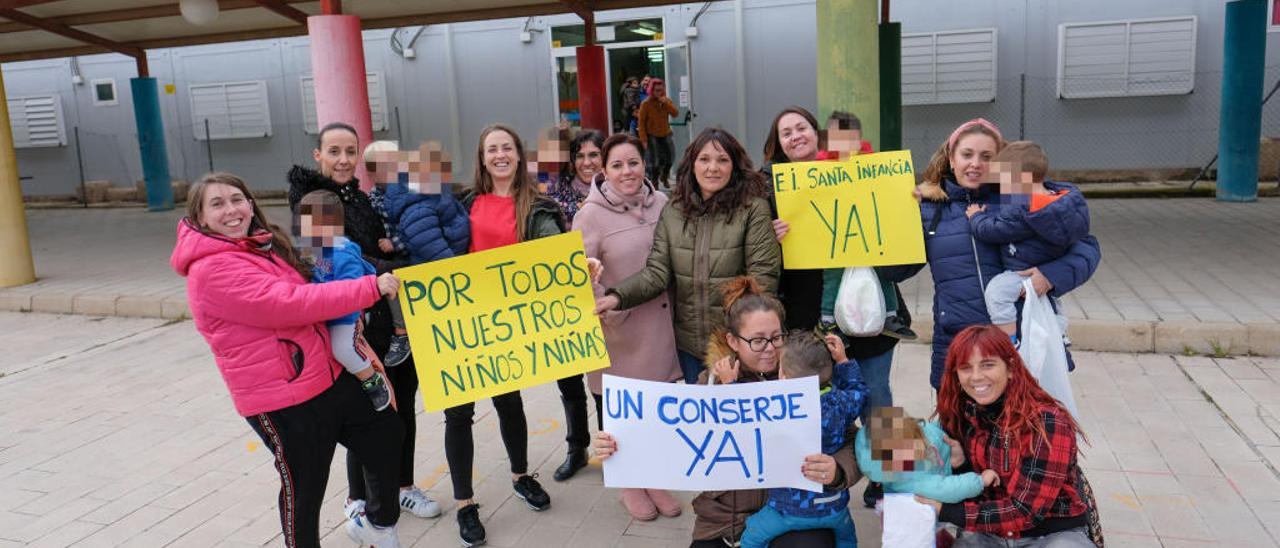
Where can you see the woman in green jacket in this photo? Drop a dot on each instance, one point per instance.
(716, 227)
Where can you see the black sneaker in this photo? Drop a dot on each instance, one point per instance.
(470, 530)
(872, 494)
(398, 351)
(531, 491)
(894, 327)
(574, 461)
(376, 389)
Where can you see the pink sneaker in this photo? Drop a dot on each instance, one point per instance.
(638, 504)
(667, 504)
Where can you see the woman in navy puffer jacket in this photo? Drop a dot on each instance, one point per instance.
(960, 264)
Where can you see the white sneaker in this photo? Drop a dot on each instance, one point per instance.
(368, 534)
(353, 508)
(417, 502)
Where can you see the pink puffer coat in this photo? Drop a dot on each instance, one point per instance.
(263, 322)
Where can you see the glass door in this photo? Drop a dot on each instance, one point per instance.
(680, 88)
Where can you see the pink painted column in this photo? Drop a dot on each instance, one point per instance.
(337, 64)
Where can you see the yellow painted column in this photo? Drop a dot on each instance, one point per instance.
(849, 62)
(16, 267)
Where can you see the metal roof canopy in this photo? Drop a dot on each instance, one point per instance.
(43, 29)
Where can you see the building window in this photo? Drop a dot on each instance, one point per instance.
(233, 110)
(377, 103)
(949, 67)
(1127, 58)
(37, 121)
(642, 30)
(104, 92)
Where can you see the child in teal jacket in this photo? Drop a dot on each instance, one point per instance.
(910, 456)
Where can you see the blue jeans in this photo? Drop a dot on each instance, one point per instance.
(767, 524)
(690, 365)
(875, 370)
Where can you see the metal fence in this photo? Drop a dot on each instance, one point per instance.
(1156, 132)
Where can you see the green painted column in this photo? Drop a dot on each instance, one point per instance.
(849, 62)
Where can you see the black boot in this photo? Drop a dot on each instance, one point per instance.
(574, 461)
(573, 396)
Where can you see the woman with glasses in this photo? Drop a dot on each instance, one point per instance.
(716, 227)
(746, 349)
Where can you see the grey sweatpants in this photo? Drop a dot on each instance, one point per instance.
(1002, 296)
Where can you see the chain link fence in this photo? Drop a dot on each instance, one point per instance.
(1170, 136)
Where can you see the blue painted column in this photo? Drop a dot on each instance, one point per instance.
(1241, 118)
(155, 158)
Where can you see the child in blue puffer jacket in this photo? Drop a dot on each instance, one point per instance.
(1037, 222)
(381, 161)
(844, 395)
(431, 223)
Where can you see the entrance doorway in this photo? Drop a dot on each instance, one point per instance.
(632, 49)
(623, 63)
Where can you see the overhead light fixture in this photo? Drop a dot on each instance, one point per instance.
(643, 31)
(199, 12)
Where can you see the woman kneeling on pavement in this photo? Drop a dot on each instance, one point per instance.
(746, 350)
(1005, 422)
(250, 298)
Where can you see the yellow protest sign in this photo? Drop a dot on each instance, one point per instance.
(858, 212)
(500, 320)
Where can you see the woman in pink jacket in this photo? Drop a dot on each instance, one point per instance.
(617, 223)
(249, 297)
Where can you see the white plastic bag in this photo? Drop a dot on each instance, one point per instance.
(907, 523)
(860, 303)
(1042, 348)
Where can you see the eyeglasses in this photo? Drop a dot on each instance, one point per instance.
(757, 344)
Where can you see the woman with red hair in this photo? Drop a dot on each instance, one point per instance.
(1004, 421)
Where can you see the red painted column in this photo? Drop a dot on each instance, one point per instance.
(593, 99)
(337, 64)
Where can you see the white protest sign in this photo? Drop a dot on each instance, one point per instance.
(718, 437)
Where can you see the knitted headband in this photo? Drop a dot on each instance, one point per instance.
(955, 135)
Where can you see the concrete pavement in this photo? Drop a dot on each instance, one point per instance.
(1177, 276)
(119, 432)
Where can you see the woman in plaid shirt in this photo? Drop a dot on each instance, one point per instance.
(1005, 422)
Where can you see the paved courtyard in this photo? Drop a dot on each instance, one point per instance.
(118, 431)
(1180, 274)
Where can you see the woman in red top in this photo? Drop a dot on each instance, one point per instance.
(505, 207)
(1005, 422)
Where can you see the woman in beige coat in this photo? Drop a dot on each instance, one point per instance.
(617, 222)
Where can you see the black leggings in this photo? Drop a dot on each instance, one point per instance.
(459, 444)
(404, 380)
(599, 411)
(302, 439)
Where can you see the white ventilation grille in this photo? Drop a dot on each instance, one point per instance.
(1127, 58)
(949, 67)
(37, 121)
(235, 110)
